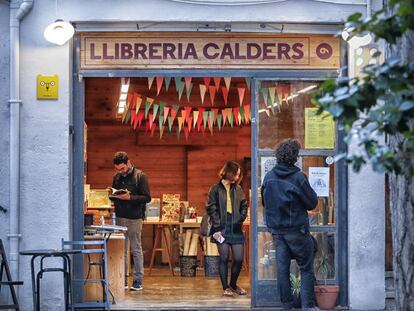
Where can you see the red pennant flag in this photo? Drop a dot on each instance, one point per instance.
(159, 84)
(217, 83)
(215, 111)
(140, 117)
(153, 129)
(247, 113)
(173, 113)
(166, 110)
(225, 94)
(236, 114)
(133, 115)
(187, 113)
(129, 100)
(187, 133)
(189, 125)
(187, 83)
(207, 81)
(184, 114)
(212, 91)
(241, 91)
(151, 120)
(200, 118)
(224, 114)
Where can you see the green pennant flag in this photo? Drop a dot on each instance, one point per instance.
(265, 94)
(154, 111)
(160, 121)
(167, 81)
(247, 83)
(179, 85)
(147, 108)
(241, 112)
(188, 92)
(170, 123)
(205, 116)
(162, 105)
(230, 118)
(277, 101)
(219, 118)
(127, 116)
(211, 117)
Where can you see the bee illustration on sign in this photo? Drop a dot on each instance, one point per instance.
(47, 87)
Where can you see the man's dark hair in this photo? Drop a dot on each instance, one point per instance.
(120, 157)
(229, 169)
(287, 151)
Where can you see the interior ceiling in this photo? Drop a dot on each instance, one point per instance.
(101, 95)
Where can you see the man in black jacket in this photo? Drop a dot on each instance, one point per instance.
(130, 208)
(287, 196)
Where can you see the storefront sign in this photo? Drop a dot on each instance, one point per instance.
(196, 50)
(319, 130)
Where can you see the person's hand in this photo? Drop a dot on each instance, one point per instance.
(126, 196)
(217, 235)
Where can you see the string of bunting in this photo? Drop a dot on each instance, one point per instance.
(273, 97)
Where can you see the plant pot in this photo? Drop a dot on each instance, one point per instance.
(326, 296)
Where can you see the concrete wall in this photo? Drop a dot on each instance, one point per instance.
(45, 152)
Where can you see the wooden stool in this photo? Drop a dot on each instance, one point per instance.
(158, 241)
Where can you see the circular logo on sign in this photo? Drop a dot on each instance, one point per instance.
(324, 51)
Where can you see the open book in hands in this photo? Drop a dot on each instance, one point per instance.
(116, 192)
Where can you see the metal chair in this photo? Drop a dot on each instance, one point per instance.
(87, 248)
(4, 267)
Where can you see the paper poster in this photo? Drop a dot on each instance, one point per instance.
(319, 180)
(267, 163)
(319, 130)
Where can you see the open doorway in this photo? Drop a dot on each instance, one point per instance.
(180, 131)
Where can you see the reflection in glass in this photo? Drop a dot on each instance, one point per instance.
(266, 265)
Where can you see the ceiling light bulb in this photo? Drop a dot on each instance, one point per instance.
(59, 32)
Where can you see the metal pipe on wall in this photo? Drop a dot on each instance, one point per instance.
(17, 13)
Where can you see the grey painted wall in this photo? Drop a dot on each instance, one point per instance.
(45, 152)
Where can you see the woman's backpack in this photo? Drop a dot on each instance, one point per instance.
(205, 225)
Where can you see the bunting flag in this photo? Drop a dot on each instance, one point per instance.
(224, 113)
(241, 91)
(219, 118)
(174, 111)
(154, 111)
(187, 82)
(229, 112)
(203, 90)
(166, 110)
(239, 117)
(133, 115)
(285, 91)
(271, 99)
(241, 114)
(225, 94)
(167, 81)
(159, 84)
(265, 94)
(247, 83)
(200, 117)
(137, 120)
(170, 123)
(180, 122)
(186, 133)
(210, 121)
(277, 102)
(152, 130)
(267, 112)
(217, 82)
(180, 87)
(227, 81)
(183, 113)
(148, 103)
(161, 131)
(188, 92)
(247, 113)
(140, 117)
(162, 105)
(207, 81)
(195, 117)
(127, 116)
(187, 113)
(151, 120)
(138, 102)
(215, 113)
(236, 114)
(189, 125)
(205, 116)
(129, 101)
(160, 122)
(150, 81)
(212, 91)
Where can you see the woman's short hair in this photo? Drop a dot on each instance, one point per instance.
(229, 169)
(120, 157)
(287, 151)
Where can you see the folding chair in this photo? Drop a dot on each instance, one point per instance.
(88, 248)
(4, 267)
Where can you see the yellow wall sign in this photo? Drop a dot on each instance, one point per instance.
(319, 130)
(47, 87)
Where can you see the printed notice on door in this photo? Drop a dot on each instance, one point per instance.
(319, 130)
(319, 180)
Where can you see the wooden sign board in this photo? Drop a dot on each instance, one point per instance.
(208, 50)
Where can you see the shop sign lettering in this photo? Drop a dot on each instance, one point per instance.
(208, 51)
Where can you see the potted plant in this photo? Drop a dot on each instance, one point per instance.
(295, 283)
(326, 294)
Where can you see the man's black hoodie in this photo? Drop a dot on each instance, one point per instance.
(287, 196)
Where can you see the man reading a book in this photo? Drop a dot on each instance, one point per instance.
(130, 193)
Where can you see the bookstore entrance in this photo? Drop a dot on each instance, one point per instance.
(181, 106)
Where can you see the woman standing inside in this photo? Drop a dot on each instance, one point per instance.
(227, 207)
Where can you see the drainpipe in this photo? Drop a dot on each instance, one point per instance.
(17, 13)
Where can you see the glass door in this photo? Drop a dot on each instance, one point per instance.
(283, 109)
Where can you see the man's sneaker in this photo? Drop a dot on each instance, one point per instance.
(136, 286)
